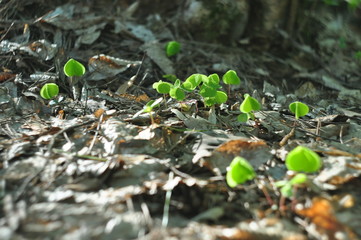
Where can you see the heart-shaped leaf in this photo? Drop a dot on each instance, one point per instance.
(302, 159)
(221, 97)
(231, 77)
(74, 68)
(162, 87)
(49, 91)
(299, 109)
(249, 104)
(239, 172)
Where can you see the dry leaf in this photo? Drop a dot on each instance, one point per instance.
(255, 151)
(322, 214)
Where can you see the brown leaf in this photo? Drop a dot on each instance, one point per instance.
(322, 214)
(255, 151)
(4, 76)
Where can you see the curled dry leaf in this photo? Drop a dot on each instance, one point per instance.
(255, 151)
(103, 66)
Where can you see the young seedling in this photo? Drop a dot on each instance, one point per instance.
(193, 81)
(288, 186)
(231, 78)
(299, 109)
(239, 171)
(148, 108)
(302, 159)
(248, 106)
(74, 70)
(208, 88)
(177, 92)
(172, 48)
(209, 91)
(162, 87)
(49, 91)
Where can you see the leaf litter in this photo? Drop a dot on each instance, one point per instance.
(98, 168)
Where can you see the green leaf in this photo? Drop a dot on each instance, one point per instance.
(74, 68)
(49, 91)
(286, 190)
(239, 172)
(299, 179)
(209, 101)
(177, 93)
(281, 183)
(251, 115)
(212, 81)
(149, 106)
(214, 78)
(207, 91)
(243, 117)
(177, 83)
(162, 87)
(302, 159)
(221, 97)
(172, 48)
(249, 104)
(170, 77)
(193, 81)
(231, 77)
(299, 109)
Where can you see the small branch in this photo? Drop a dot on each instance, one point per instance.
(287, 137)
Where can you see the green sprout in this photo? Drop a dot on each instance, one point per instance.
(239, 171)
(148, 108)
(302, 159)
(49, 91)
(299, 178)
(299, 109)
(172, 48)
(208, 88)
(231, 77)
(162, 87)
(177, 92)
(193, 81)
(174, 90)
(287, 186)
(221, 97)
(74, 70)
(248, 106)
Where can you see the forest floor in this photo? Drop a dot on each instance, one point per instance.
(97, 167)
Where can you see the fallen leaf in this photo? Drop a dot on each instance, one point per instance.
(255, 151)
(322, 214)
